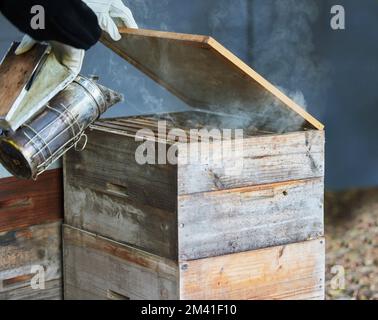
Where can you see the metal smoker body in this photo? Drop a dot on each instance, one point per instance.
(60, 126)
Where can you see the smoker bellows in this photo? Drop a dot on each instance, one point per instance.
(28, 82)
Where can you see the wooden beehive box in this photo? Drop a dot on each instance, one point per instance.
(197, 228)
(30, 237)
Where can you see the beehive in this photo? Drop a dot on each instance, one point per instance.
(197, 228)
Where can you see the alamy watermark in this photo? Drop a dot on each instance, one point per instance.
(338, 17)
(218, 148)
(38, 281)
(38, 21)
(338, 280)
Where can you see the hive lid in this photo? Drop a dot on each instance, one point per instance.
(205, 75)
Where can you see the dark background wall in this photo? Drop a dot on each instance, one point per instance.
(290, 42)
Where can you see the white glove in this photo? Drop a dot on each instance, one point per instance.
(107, 10)
(68, 56)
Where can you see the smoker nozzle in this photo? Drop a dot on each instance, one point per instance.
(111, 97)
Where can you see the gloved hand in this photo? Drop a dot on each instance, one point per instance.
(110, 14)
(68, 56)
(106, 11)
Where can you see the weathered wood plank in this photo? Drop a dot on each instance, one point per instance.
(15, 73)
(22, 249)
(187, 121)
(265, 159)
(98, 268)
(243, 219)
(108, 165)
(26, 203)
(289, 272)
(53, 291)
(117, 217)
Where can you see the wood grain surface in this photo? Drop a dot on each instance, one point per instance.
(26, 203)
(20, 250)
(292, 272)
(98, 268)
(108, 166)
(254, 161)
(15, 73)
(249, 218)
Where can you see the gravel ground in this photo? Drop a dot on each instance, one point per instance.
(352, 244)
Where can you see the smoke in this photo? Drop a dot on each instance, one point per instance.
(276, 35)
(281, 48)
(146, 13)
(283, 45)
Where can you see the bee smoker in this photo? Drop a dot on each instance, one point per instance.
(58, 127)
